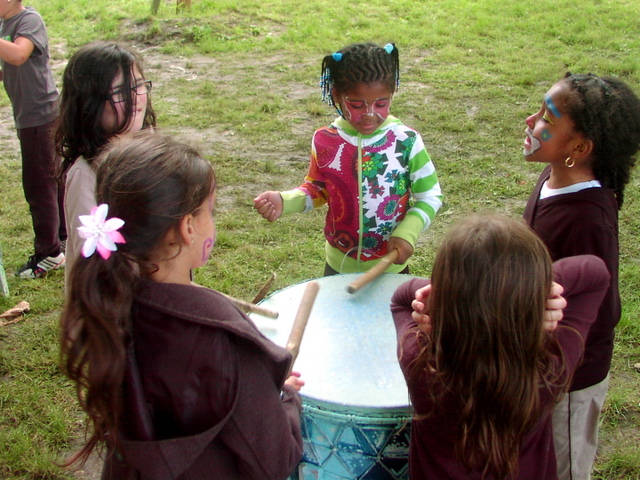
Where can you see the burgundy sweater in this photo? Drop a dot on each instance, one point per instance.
(203, 393)
(583, 223)
(432, 451)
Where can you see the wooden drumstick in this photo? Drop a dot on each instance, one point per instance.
(375, 272)
(300, 322)
(250, 307)
(265, 289)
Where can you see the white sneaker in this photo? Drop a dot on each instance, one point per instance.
(38, 266)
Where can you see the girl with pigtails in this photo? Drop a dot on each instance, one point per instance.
(372, 171)
(177, 382)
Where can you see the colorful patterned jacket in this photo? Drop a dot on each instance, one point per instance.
(376, 186)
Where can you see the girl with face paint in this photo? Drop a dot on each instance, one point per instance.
(588, 132)
(157, 360)
(366, 166)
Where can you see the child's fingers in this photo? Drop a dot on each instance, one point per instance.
(556, 290)
(551, 319)
(418, 306)
(294, 381)
(265, 208)
(553, 308)
(423, 293)
(423, 321)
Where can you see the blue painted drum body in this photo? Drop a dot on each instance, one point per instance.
(356, 412)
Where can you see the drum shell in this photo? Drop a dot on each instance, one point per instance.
(356, 410)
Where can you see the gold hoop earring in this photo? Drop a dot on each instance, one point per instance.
(569, 162)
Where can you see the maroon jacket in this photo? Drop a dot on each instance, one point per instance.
(432, 451)
(583, 223)
(202, 396)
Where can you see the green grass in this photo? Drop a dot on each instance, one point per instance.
(239, 79)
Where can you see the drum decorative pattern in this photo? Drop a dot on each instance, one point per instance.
(356, 414)
(354, 447)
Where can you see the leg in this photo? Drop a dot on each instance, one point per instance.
(41, 188)
(575, 431)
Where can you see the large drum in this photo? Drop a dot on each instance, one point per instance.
(356, 410)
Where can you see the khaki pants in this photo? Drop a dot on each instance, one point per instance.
(575, 430)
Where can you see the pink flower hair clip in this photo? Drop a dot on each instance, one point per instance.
(100, 234)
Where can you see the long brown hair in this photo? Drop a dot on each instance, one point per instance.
(487, 352)
(86, 87)
(150, 182)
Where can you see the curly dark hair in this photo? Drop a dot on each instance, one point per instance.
(607, 112)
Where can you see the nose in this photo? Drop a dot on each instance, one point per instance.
(530, 121)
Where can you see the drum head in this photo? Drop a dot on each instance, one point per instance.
(348, 354)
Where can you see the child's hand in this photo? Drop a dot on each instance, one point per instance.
(294, 381)
(420, 314)
(269, 205)
(405, 250)
(555, 304)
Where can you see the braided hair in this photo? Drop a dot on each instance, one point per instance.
(607, 112)
(356, 64)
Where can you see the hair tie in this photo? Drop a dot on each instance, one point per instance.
(337, 56)
(388, 48)
(100, 234)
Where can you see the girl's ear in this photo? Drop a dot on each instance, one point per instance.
(186, 229)
(582, 149)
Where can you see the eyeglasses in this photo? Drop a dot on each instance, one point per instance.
(142, 88)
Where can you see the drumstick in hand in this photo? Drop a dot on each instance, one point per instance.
(375, 272)
(300, 322)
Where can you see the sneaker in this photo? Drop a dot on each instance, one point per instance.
(38, 266)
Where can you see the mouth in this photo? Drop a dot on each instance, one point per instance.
(531, 143)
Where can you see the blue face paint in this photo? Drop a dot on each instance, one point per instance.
(546, 136)
(552, 107)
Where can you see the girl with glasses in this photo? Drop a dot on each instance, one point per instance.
(104, 97)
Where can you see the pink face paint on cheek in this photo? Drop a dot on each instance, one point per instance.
(355, 115)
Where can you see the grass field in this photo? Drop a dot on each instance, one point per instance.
(239, 79)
